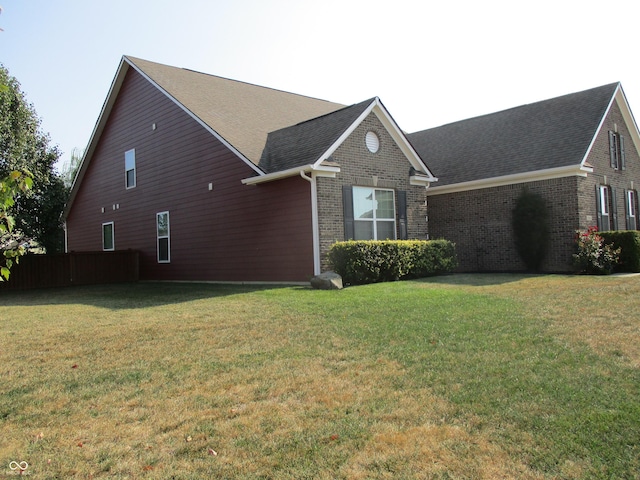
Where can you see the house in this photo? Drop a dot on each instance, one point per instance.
(578, 151)
(219, 180)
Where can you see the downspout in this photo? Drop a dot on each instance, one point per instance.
(314, 221)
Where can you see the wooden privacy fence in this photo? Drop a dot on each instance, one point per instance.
(78, 268)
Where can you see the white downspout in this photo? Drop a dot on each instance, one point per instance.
(314, 221)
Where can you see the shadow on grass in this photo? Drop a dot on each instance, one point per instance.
(477, 279)
(129, 295)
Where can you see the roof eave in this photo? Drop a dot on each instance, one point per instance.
(318, 170)
(579, 170)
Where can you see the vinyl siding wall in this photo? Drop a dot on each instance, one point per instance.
(230, 233)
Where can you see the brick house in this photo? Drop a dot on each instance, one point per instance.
(219, 180)
(214, 179)
(579, 151)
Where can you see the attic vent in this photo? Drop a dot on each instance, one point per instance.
(372, 141)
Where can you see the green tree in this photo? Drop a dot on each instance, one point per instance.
(24, 147)
(11, 187)
(530, 221)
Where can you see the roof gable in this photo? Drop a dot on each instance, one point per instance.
(551, 134)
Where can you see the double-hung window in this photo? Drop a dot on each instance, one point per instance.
(130, 168)
(374, 214)
(164, 244)
(108, 243)
(632, 210)
(604, 223)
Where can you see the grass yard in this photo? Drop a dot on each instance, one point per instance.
(456, 377)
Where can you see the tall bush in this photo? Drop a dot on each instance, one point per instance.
(594, 255)
(530, 222)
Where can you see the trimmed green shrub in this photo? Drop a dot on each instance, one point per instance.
(530, 222)
(595, 256)
(372, 261)
(629, 243)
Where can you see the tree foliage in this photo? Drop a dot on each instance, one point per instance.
(530, 221)
(11, 186)
(24, 147)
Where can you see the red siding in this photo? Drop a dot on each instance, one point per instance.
(232, 233)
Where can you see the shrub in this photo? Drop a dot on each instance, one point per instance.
(372, 261)
(594, 255)
(530, 222)
(628, 241)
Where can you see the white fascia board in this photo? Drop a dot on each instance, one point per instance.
(387, 121)
(319, 171)
(547, 174)
(421, 180)
(253, 166)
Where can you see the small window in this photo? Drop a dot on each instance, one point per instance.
(372, 142)
(130, 168)
(632, 210)
(108, 243)
(616, 151)
(374, 214)
(164, 247)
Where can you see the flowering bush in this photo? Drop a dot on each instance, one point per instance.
(594, 256)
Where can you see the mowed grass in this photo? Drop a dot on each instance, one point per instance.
(456, 377)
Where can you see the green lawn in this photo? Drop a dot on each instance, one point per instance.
(462, 376)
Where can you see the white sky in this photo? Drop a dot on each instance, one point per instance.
(430, 62)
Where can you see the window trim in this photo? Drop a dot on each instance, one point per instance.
(130, 166)
(632, 209)
(163, 237)
(374, 220)
(113, 237)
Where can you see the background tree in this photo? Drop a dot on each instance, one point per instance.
(530, 221)
(24, 147)
(10, 187)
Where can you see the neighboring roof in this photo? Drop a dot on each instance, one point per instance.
(306, 142)
(550, 134)
(241, 113)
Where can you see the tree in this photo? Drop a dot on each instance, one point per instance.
(24, 147)
(531, 229)
(10, 187)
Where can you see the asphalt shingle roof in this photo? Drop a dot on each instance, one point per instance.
(241, 113)
(304, 143)
(542, 135)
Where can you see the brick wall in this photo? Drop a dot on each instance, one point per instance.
(387, 168)
(479, 222)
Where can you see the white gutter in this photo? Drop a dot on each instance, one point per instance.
(547, 174)
(320, 170)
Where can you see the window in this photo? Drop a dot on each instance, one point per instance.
(108, 243)
(632, 209)
(164, 248)
(374, 214)
(616, 150)
(130, 168)
(607, 208)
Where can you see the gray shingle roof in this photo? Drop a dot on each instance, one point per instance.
(547, 134)
(241, 113)
(304, 143)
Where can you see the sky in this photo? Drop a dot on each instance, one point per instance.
(430, 62)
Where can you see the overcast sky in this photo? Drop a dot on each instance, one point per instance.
(430, 62)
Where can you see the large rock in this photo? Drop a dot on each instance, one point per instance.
(327, 281)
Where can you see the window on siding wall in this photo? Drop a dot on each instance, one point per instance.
(130, 168)
(616, 150)
(374, 214)
(108, 243)
(164, 246)
(631, 205)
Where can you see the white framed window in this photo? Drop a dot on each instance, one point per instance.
(632, 214)
(130, 168)
(108, 243)
(616, 151)
(163, 235)
(374, 214)
(604, 217)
